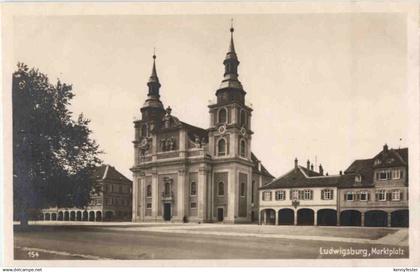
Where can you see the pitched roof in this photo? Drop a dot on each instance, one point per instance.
(359, 165)
(349, 181)
(391, 158)
(403, 152)
(310, 173)
(109, 172)
(98, 173)
(302, 177)
(194, 130)
(362, 168)
(255, 169)
(365, 168)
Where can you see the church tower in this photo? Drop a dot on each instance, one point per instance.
(152, 109)
(230, 142)
(152, 113)
(230, 118)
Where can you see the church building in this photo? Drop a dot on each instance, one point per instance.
(183, 173)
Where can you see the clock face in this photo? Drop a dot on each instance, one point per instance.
(222, 129)
(22, 84)
(243, 131)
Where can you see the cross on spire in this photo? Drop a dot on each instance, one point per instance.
(231, 25)
(153, 108)
(153, 83)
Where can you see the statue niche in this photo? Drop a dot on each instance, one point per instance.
(196, 142)
(144, 148)
(168, 144)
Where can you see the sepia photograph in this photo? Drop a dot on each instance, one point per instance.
(243, 134)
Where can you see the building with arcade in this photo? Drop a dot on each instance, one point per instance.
(112, 202)
(371, 192)
(374, 192)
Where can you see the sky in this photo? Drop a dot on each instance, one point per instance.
(330, 88)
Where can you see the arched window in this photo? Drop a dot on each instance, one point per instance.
(144, 130)
(222, 116)
(167, 189)
(243, 118)
(221, 189)
(227, 66)
(193, 188)
(242, 149)
(252, 191)
(242, 189)
(149, 190)
(221, 147)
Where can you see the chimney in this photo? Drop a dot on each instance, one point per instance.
(308, 163)
(296, 163)
(321, 170)
(259, 166)
(341, 173)
(327, 174)
(312, 167)
(385, 147)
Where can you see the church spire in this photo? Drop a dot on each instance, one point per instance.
(231, 63)
(153, 83)
(153, 107)
(231, 52)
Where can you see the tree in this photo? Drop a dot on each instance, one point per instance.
(53, 155)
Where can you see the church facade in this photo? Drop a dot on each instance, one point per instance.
(185, 173)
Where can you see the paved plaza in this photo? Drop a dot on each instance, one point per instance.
(132, 241)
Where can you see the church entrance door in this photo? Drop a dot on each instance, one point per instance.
(220, 214)
(167, 211)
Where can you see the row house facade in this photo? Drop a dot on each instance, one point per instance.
(374, 192)
(185, 173)
(112, 202)
(371, 192)
(300, 197)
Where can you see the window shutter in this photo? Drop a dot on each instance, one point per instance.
(322, 194)
(388, 196)
(376, 196)
(401, 195)
(332, 194)
(291, 193)
(368, 196)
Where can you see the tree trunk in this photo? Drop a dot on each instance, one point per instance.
(23, 218)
